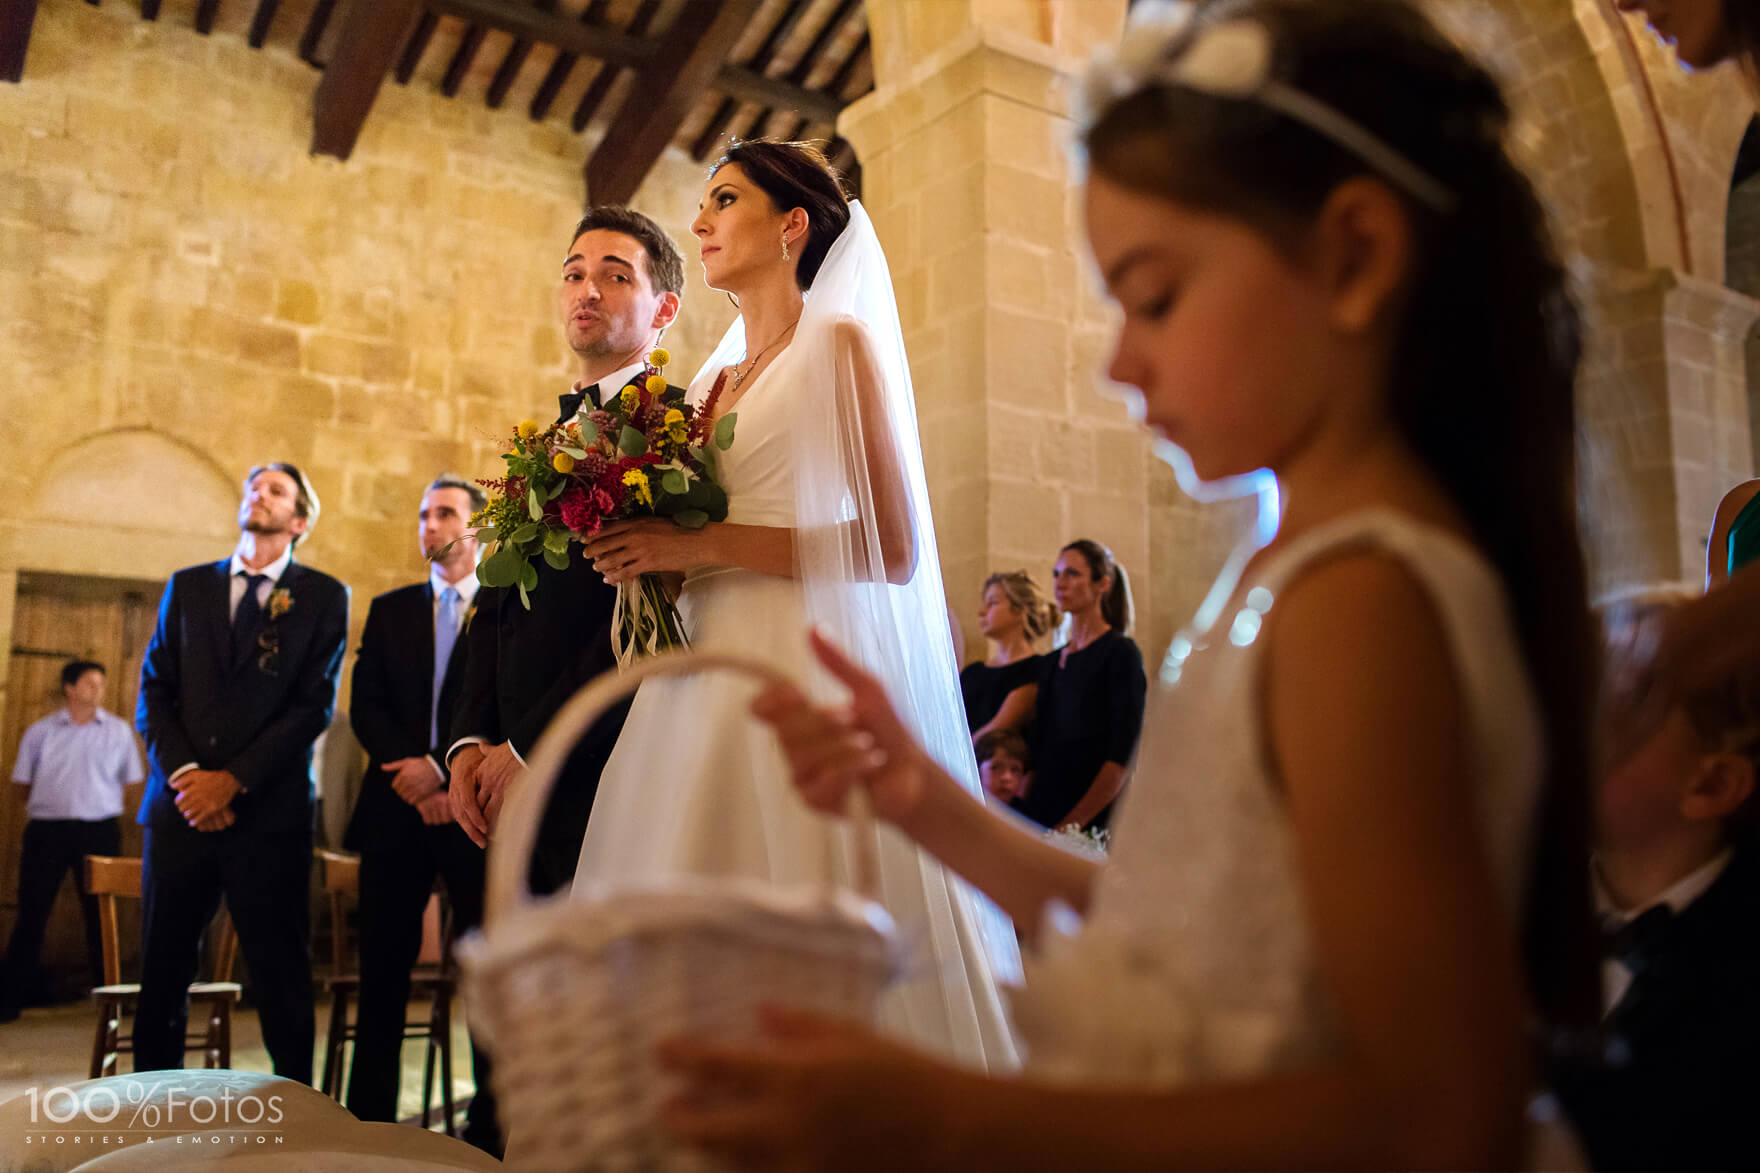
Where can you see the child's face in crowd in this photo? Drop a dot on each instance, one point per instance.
(1005, 776)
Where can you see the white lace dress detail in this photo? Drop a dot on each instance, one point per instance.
(1194, 963)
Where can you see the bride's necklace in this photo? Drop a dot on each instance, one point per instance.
(739, 376)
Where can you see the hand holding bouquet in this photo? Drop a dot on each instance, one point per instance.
(646, 452)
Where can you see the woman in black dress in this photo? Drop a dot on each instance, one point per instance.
(1091, 693)
(1017, 617)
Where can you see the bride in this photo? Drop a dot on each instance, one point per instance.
(828, 524)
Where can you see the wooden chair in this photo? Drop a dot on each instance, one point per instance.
(438, 983)
(113, 878)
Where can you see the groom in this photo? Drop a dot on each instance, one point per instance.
(620, 286)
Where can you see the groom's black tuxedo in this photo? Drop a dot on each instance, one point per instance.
(255, 714)
(520, 666)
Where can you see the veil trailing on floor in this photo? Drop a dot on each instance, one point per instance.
(865, 551)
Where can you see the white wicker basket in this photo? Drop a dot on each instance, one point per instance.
(572, 996)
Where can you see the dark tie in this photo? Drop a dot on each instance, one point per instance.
(248, 619)
(570, 404)
(1639, 938)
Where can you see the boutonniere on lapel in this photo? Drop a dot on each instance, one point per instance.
(470, 613)
(269, 639)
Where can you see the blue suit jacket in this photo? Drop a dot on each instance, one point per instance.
(198, 704)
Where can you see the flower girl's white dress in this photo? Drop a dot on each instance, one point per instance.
(1194, 963)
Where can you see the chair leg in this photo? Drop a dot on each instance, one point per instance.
(443, 1003)
(334, 1040)
(101, 1040)
(226, 1034)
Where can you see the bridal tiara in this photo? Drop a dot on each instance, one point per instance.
(1164, 45)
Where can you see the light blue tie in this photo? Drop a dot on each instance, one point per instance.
(445, 635)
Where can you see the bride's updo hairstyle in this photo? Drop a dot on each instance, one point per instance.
(1487, 341)
(796, 175)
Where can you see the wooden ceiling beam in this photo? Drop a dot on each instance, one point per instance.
(308, 40)
(804, 67)
(260, 22)
(665, 93)
(205, 16)
(16, 18)
(513, 62)
(608, 73)
(461, 59)
(414, 48)
(587, 40)
(371, 32)
(149, 9)
(562, 67)
(759, 62)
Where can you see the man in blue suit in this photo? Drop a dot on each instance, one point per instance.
(238, 682)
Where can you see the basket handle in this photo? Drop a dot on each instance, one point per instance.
(510, 850)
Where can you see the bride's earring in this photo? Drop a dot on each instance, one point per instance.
(785, 246)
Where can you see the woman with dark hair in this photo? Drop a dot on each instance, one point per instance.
(1367, 765)
(828, 525)
(1017, 618)
(1089, 707)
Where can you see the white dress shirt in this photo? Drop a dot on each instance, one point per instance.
(610, 385)
(1616, 979)
(77, 771)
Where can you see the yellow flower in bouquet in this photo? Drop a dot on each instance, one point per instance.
(528, 428)
(637, 480)
(562, 462)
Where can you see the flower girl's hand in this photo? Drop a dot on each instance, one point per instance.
(813, 1094)
(832, 749)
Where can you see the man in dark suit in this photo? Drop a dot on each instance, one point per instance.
(405, 689)
(238, 682)
(620, 287)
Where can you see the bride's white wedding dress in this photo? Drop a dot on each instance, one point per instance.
(697, 786)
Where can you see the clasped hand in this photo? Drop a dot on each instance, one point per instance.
(649, 545)
(204, 798)
(480, 780)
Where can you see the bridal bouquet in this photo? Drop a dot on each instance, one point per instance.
(646, 453)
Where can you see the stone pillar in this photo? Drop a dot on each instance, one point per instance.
(967, 176)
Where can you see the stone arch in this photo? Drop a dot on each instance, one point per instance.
(87, 513)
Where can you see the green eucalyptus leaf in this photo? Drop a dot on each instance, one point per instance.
(502, 570)
(674, 482)
(528, 576)
(691, 518)
(558, 559)
(556, 539)
(485, 535)
(589, 431)
(556, 489)
(631, 442)
(724, 430)
(532, 505)
(525, 534)
(577, 453)
(525, 600)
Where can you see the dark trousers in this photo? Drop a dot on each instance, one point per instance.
(265, 877)
(51, 849)
(396, 876)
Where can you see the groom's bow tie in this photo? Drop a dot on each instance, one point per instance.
(570, 403)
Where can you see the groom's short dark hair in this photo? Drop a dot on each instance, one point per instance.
(665, 262)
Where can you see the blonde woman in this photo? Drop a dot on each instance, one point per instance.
(1017, 617)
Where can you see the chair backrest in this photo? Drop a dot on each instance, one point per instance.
(111, 878)
(342, 883)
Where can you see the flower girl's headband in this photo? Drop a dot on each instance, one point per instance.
(1164, 45)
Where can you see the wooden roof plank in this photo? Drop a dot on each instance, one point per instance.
(460, 64)
(562, 67)
(205, 16)
(411, 57)
(607, 75)
(700, 38)
(149, 9)
(759, 62)
(16, 18)
(588, 40)
(798, 75)
(371, 32)
(260, 21)
(513, 62)
(308, 40)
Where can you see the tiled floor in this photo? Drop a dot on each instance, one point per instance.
(52, 1046)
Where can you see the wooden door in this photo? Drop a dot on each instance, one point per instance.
(60, 618)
